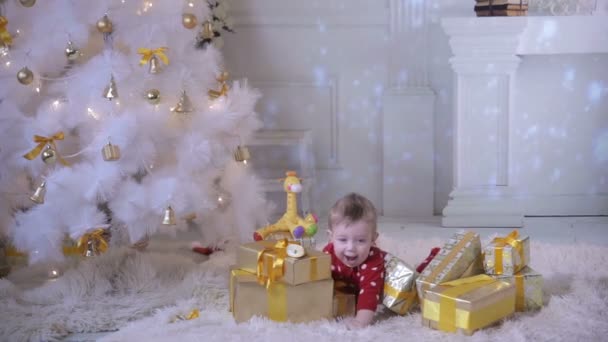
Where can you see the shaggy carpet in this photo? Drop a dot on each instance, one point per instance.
(139, 293)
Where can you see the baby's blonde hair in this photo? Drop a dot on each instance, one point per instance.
(352, 208)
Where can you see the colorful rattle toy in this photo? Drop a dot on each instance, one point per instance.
(290, 221)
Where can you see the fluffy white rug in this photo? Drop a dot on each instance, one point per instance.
(139, 293)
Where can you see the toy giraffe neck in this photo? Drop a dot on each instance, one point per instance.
(291, 213)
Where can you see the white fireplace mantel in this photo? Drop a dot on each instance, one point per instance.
(486, 55)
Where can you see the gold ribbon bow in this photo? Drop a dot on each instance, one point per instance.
(97, 237)
(146, 55)
(501, 242)
(42, 141)
(276, 269)
(5, 36)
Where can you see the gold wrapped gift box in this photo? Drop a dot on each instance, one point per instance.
(279, 302)
(399, 285)
(460, 255)
(507, 255)
(468, 304)
(529, 288)
(345, 302)
(314, 266)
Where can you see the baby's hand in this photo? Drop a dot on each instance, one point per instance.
(353, 324)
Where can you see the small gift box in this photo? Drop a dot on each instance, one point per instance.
(467, 304)
(456, 257)
(279, 301)
(399, 285)
(345, 300)
(529, 288)
(268, 259)
(507, 255)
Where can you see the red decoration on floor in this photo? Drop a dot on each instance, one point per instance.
(428, 259)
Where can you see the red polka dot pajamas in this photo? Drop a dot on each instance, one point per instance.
(368, 278)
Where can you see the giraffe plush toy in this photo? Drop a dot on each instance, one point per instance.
(290, 221)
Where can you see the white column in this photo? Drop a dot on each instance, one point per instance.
(484, 62)
(408, 109)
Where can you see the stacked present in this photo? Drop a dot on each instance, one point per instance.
(507, 259)
(501, 8)
(456, 295)
(272, 281)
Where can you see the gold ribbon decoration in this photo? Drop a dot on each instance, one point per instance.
(447, 301)
(5, 36)
(97, 237)
(520, 300)
(43, 141)
(275, 267)
(276, 296)
(146, 55)
(499, 243)
(312, 275)
(408, 296)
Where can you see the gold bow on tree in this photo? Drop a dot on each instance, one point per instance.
(5, 36)
(95, 238)
(43, 141)
(146, 55)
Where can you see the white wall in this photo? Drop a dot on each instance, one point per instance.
(560, 130)
(328, 66)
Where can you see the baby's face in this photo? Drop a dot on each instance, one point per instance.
(352, 242)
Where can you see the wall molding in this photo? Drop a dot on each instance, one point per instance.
(331, 85)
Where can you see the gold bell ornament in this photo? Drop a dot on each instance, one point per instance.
(71, 52)
(111, 92)
(38, 195)
(222, 78)
(94, 242)
(169, 217)
(184, 105)
(27, 3)
(25, 76)
(189, 20)
(154, 65)
(49, 155)
(206, 35)
(153, 96)
(110, 152)
(104, 25)
(242, 154)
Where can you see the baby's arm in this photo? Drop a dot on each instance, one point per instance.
(371, 285)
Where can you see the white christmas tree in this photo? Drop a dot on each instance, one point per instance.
(117, 114)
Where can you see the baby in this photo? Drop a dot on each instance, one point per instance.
(354, 258)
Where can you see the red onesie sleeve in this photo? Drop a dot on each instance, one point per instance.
(371, 280)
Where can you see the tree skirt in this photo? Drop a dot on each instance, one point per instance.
(140, 293)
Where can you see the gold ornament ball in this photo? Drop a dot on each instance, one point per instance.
(27, 3)
(49, 156)
(104, 25)
(153, 96)
(189, 20)
(25, 76)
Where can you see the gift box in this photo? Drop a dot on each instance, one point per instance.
(267, 259)
(528, 288)
(507, 255)
(345, 300)
(399, 285)
(457, 256)
(279, 301)
(468, 304)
